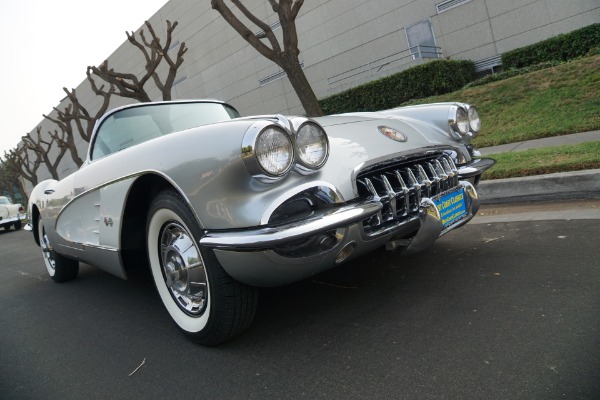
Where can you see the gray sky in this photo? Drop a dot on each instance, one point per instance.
(47, 45)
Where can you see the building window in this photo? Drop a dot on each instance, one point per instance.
(421, 41)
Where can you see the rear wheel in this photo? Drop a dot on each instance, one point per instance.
(60, 269)
(17, 225)
(204, 301)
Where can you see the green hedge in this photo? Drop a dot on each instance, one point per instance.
(429, 79)
(558, 48)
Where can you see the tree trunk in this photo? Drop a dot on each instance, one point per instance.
(302, 87)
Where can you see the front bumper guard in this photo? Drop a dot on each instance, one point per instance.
(270, 237)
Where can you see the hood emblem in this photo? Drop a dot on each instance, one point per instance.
(393, 133)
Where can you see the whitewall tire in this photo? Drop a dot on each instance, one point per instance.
(60, 269)
(204, 301)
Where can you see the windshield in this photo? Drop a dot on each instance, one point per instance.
(4, 200)
(131, 126)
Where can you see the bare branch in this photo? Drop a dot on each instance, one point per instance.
(42, 153)
(131, 86)
(246, 33)
(287, 59)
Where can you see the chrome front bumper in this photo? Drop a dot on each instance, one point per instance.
(252, 257)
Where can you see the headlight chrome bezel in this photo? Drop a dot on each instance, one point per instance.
(290, 128)
(302, 165)
(250, 147)
(474, 120)
(463, 122)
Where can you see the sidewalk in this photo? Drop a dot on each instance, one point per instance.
(562, 185)
(574, 138)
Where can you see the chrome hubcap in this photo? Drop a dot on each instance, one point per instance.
(183, 269)
(47, 249)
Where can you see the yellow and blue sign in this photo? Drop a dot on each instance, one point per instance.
(452, 207)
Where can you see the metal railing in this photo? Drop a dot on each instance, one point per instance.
(374, 67)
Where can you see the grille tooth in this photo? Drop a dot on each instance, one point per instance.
(371, 188)
(454, 170)
(442, 174)
(405, 191)
(416, 186)
(401, 187)
(391, 195)
(435, 178)
(425, 181)
(447, 168)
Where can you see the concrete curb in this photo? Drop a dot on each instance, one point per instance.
(562, 185)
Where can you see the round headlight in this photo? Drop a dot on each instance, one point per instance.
(474, 120)
(458, 121)
(274, 151)
(462, 121)
(312, 146)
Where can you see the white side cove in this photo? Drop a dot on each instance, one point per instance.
(95, 217)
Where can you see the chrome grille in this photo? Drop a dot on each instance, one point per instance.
(400, 188)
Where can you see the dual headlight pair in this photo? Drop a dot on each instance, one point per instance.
(271, 149)
(464, 121)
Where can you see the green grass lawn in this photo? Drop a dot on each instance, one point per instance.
(545, 160)
(550, 102)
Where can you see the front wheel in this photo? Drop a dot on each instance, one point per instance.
(204, 301)
(60, 269)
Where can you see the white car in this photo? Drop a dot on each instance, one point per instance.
(217, 205)
(10, 214)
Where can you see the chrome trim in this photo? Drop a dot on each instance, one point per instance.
(14, 218)
(474, 132)
(183, 269)
(431, 227)
(300, 166)
(401, 189)
(453, 123)
(402, 157)
(99, 247)
(325, 187)
(392, 133)
(107, 114)
(248, 150)
(267, 237)
(431, 220)
(475, 168)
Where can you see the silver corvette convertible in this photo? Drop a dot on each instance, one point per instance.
(218, 205)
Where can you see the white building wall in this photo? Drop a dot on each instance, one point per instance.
(334, 36)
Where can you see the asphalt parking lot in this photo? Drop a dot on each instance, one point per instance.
(507, 308)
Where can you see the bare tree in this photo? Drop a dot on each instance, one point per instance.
(285, 56)
(129, 85)
(66, 140)
(78, 115)
(82, 114)
(27, 166)
(10, 175)
(41, 148)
